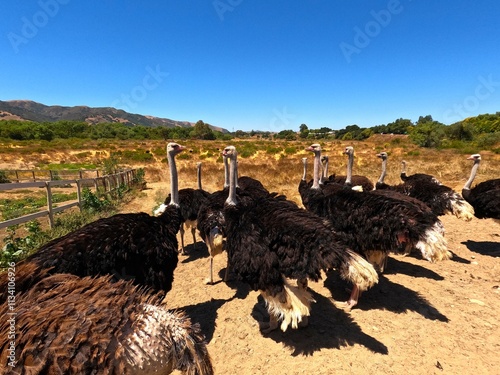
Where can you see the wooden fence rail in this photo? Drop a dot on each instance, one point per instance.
(19, 175)
(105, 184)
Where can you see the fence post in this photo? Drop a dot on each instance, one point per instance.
(17, 176)
(49, 204)
(79, 194)
(51, 175)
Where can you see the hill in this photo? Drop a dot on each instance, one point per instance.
(32, 111)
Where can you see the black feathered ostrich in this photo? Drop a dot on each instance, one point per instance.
(190, 201)
(133, 246)
(375, 225)
(270, 239)
(485, 196)
(417, 176)
(356, 180)
(91, 325)
(211, 223)
(305, 185)
(440, 198)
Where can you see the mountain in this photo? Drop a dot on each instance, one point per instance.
(32, 111)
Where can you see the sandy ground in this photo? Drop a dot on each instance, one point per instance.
(421, 318)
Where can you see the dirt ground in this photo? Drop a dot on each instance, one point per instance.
(421, 318)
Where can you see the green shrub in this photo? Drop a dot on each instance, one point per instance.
(3, 178)
(92, 203)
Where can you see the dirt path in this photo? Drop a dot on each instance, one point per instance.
(421, 318)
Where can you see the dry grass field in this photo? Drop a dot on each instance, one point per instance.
(421, 318)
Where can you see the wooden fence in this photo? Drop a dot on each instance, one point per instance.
(32, 175)
(105, 184)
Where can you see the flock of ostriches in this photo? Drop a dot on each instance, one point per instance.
(90, 301)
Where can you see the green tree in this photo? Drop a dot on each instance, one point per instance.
(459, 131)
(427, 134)
(202, 131)
(400, 126)
(304, 131)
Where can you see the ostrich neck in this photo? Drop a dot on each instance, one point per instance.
(226, 171)
(350, 161)
(384, 171)
(403, 167)
(317, 164)
(233, 175)
(304, 175)
(325, 170)
(472, 175)
(174, 183)
(198, 176)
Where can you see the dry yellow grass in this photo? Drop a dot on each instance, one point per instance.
(276, 164)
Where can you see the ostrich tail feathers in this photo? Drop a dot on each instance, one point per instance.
(434, 246)
(193, 358)
(462, 209)
(296, 305)
(359, 271)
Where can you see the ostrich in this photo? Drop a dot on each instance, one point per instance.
(270, 239)
(211, 221)
(133, 246)
(91, 325)
(440, 198)
(417, 176)
(375, 225)
(303, 184)
(356, 180)
(190, 201)
(485, 196)
(395, 191)
(211, 225)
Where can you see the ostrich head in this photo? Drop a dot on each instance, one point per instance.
(174, 148)
(382, 155)
(475, 157)
(324, 159)
(229, 152)
(349, 150)
(316, 147)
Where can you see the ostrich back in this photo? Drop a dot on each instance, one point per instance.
(190, 201)
(268, 238)
(486, 204)
(133, 246)
(356, 180)
(372, 221)
(73, 325)
(486, 186)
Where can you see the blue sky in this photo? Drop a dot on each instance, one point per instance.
(257, 64)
